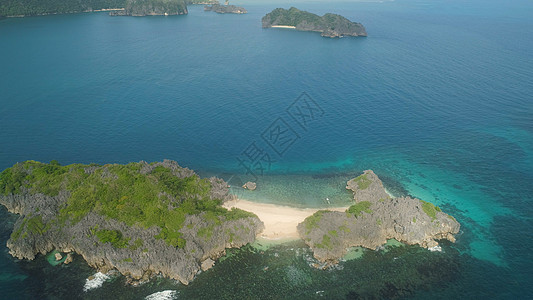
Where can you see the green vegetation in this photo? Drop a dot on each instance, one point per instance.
(333, 233)
(44, 7)
(206, 232)
(381, 200)
(414, 220)
(379, 222)
(137, 244)
(326, 243)
(312, 221)
(31, 225)
(362, 181)
(127, 259)
(345, 229)
(430, 209)
(122, 193)
(41, 7)
(293, 17)
(112, 236)
(35, 225)
(359, 208)
(147, 7)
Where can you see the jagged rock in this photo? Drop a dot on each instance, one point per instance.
(58, 256)
(69, 259)
(250, 185)
(207, 264)
(367, 187)
(373, 220)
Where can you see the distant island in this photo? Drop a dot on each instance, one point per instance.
(329, 25)
(140, 8)
(225, 9)
(22, 8)
(141, 219)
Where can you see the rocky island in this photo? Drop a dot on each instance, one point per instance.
(373, 219)
(141, 219)
(225, 9)
(329, 25)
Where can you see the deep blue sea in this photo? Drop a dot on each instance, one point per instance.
(437, 100)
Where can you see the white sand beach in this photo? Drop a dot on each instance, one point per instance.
(283, 26)
(280, 221)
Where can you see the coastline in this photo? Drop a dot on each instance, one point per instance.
(280, 221)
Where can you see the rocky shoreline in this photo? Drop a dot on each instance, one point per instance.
(139, 252)
(373, 219)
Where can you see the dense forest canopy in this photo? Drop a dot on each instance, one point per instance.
(44, 7)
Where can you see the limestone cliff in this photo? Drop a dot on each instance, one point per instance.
(373, 219)
(141, 219)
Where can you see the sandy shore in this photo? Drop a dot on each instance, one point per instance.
(283, 26)
(280, 221)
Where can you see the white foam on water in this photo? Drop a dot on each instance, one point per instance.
(96, 282)
(436, 248)
(164, 295)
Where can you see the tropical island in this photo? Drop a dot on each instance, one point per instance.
(329, 25)
(22, 8)
(145, 219)
(141, 219)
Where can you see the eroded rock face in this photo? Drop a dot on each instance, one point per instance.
(375, 218)
(367, 187)
(69, 259)
(207, 264)
(144, 255)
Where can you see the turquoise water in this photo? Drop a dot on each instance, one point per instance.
(436, 101)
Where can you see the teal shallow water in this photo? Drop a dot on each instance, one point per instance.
(436, 101)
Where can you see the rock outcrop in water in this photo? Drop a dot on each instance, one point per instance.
(225, 9)
(373, 219)
(329, 25)
(141, 219)
(140, 8)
